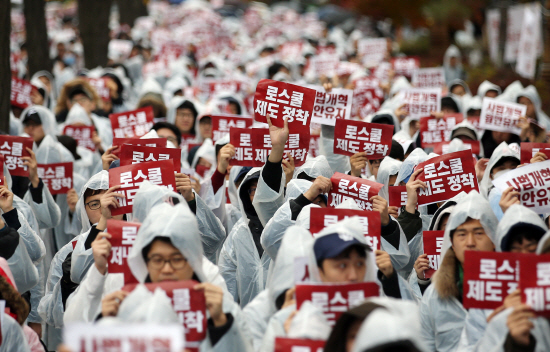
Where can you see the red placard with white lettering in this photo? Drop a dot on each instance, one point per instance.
(149, 142)
(434, 131)
(135, 154)
(370, 220)
(1, 170)
(221, 124)
(211, 87)
(489, 277)
(351, 137)
(133, 123)
(433, 241)
(283, 344)
(443, 147)
(314, 146)
(405, 66)
(397, 197)
(528, 151)
(253, 145)
(535, 283)
(20, 95)
(82, 135)
(100, 86)
(129, 177)
(13, 148)
(367, 96)
(335, 299)
(189, 304)
(446, 176)
(497, 115)
(359, 189)
(57, 177)
(284, 100)
(123, 235)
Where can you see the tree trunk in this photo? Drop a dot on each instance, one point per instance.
(37, 36)
(93, 18)
(5, 73)
(129, 10)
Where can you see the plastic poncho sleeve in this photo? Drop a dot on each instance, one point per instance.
(47, 213)
(256, 313)
(33, 243)
(24, 272)
(211, 229)
(338, 163)
(13, 337)
(228, 263)
(474, 328)
(275, 328)
(266, 200)
(400, 257)
(82, 259)
(275, 229)
(37, 292)
(427, 323)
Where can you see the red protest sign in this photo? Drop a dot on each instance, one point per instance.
(221, 124)
(421, 102)
(397, 197)
(446, 176)
(528, 151)
(535, 283)
(82, 135)
(367, 96)
(351, 137)
(129, 177)
(314, 146)
(1, 170)
(20, 95)
(189, 304)
(434, 131)
(284, 100)
(489, 277)
(433, 241)
(370, 220)
(135, 154)
(443, 147)
(351, 187)
(333, 106)
(252, 146)
(13, 148)
(283, 344)
(57, 177)
(133, 123)
(211, 87)
(405, 66)
(100, 86)
(149, 142)
(123, 235)
(501, 116)
(335, 299)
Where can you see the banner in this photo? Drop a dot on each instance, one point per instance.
(283, 344)
(535, 283)
(284, 100)
(421, 102)
(135, 154)
(129, 177)
(359, 189)
(528, 151)
(429, 77)
(20, 95)
(493, 34)
(13, 148)
(514, 25)
(434, 131)
(351, 137)
(148, 142)
(133, 123)
(123, 235)
(333, 106)
(57, 177)
(221, 124)
(367, 96)
(253, 145)
(433, 241)
(405, 66)
(370, 220)
(82, 135)
(335, 299)
(497, 115)
(372, 50)
(446, 176)
(526, 65)
(532, 182)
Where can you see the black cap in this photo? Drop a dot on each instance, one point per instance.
(32, 117)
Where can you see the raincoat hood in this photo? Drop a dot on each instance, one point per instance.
(232, 187)
(315, 167)
(399, 84)
(511, 92)
(517, 217)
(486, 86)
(47, 118)
(445, 208)
(544, 244)
(459, 82)
(388, 167)
(173, 106)
(245, 205)
(150, 195)
(532, 94)
(416, 157)
(502, 151)
(97, 181)
(296, 187)
(465, 124)
(206, 151)
(77, 114)
(385, 113)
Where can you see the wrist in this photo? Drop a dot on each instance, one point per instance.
(102, 224)
(7, 209)
(410, 208)
(310, 195)
(220, 320)
(35, 180)
(222, 170)
(276, 155)
(101, 268)
(189, 197)
(385, 220)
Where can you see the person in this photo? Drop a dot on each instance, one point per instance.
(488, 89)
(183, 113)
(471, 226)
(452, 64)
(168, 131)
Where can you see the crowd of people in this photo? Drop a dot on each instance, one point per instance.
(239, 231)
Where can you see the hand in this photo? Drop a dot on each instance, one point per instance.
(111, 302)
(320, 185)
(288, 168)
(523, 124)
(519, 323)
(289, 297)
(394, 212)
(481, 165)
(420, 265)
(513, 299)
(540, 156)
(383, 262)
(437, 114)
(214, 302)
(97, 141)
(196, 183)
(108, 157)
(278, 136)
(6, 198)
(72, 199)
(184, 186)
(288, 321)
(509, 197)
(101, 248)
(380, 205)
(328, 86)
(30, 162)
(358, 162)
(108, 200)
(36, 99)
(412, 191)
(226, 153)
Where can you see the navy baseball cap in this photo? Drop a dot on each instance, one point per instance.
(242, 173)
(330, 246)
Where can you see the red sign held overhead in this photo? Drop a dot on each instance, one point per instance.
(370, 220)
(405, 66)
(528, 151)
(284, 101)
(314, 146)
(283, 344)
(135, 154)
(350, 187)
(434, 131)
(535, 283)
(100, 86)
(57, 177)
(433, 241)
(123, 235)
(149, 142)
(351, 137)
(443, 147)
(130, 177)
(20, 95)
(13, 148)
(134, 123)
(82, 135)
(221, 124)
(397, 197)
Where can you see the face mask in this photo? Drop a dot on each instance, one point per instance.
(69, 60)
(500, 173)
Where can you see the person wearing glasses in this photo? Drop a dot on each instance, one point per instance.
(168, 131)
